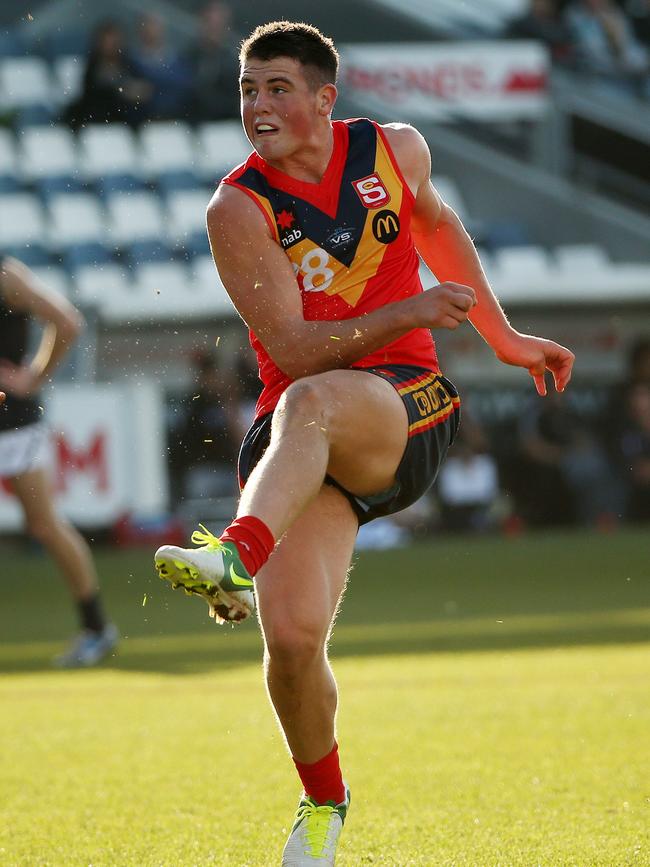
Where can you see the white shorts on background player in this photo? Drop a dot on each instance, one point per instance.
(23, 449)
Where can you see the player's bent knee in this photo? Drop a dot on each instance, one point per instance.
(304, 398)
(292, 646)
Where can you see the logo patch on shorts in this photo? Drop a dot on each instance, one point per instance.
(385, 226)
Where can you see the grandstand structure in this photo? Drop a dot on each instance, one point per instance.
(114, 217)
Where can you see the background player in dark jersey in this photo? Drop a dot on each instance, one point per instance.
(355, 416)
(23, 443)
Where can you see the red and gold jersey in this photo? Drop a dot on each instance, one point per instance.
(348, 239)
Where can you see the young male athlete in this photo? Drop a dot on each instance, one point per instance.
(316, 237)
(23, 439)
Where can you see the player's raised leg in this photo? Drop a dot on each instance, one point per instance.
(323, 424)
(298, 592)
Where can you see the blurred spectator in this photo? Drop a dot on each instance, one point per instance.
(543, 22)
(634, 450)
(168, 75)
(206, 441)
(605, 44)
(214, 65)
(468, 484)
(622, 422)
(639, 362)
(564, 474)
(638, 13)
(112, 91)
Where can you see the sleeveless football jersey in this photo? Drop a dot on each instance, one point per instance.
(348, 239)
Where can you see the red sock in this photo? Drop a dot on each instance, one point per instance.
(253, 539)
(322, 780)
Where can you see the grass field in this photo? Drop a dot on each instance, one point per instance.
(495, 711)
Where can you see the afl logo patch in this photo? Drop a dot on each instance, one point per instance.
(385, 226)
(371, 191)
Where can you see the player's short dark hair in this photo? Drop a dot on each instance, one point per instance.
(302, 42)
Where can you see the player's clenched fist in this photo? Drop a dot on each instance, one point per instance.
(446, 305)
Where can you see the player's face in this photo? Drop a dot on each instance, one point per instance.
(279, 109)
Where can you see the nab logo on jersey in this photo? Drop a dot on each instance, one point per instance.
(371, 191)
(288, 235)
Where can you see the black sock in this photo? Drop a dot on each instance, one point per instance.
(91, 613)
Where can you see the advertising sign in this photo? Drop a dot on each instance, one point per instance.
(490, 81)
(106, 454)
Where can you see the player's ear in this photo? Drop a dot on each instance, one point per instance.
(326, 99)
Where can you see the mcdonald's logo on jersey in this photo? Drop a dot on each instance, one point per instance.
(385, 226)
(371, 191)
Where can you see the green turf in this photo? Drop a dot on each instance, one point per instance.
(495, 711)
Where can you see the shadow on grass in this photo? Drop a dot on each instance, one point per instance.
(451, 596)
(193, 653)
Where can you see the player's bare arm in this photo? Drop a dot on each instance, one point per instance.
(262, 285)
(22, 291)
(447, 249)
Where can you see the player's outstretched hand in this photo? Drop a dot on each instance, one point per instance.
(538, 355)
(446, 305)
(2, 397)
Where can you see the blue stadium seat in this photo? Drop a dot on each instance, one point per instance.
(33, 255)
(38, 114)
(9, 184)
(118, 184)
(196, 244)
(55, 186)
(183, 179)
(505, 233)
(12, 44)
(81, 255)
(70, 40)
(141, 252)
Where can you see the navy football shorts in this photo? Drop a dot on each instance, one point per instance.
(433, 408)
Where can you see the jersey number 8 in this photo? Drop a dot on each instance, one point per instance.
(316, 276)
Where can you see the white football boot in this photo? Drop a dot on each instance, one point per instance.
(315, 834)
(213, 571)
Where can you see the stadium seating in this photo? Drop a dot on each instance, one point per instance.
(8, 158)
(186, 215)
(22, 220)
(68, 76)
(107, 150)
(134, 217)
(47, 152)
(124, 213)
(166, 148)
(93, 285)
(221, 146)
(584, 259)
(526, 265)
(25, 81)
(75, 219)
